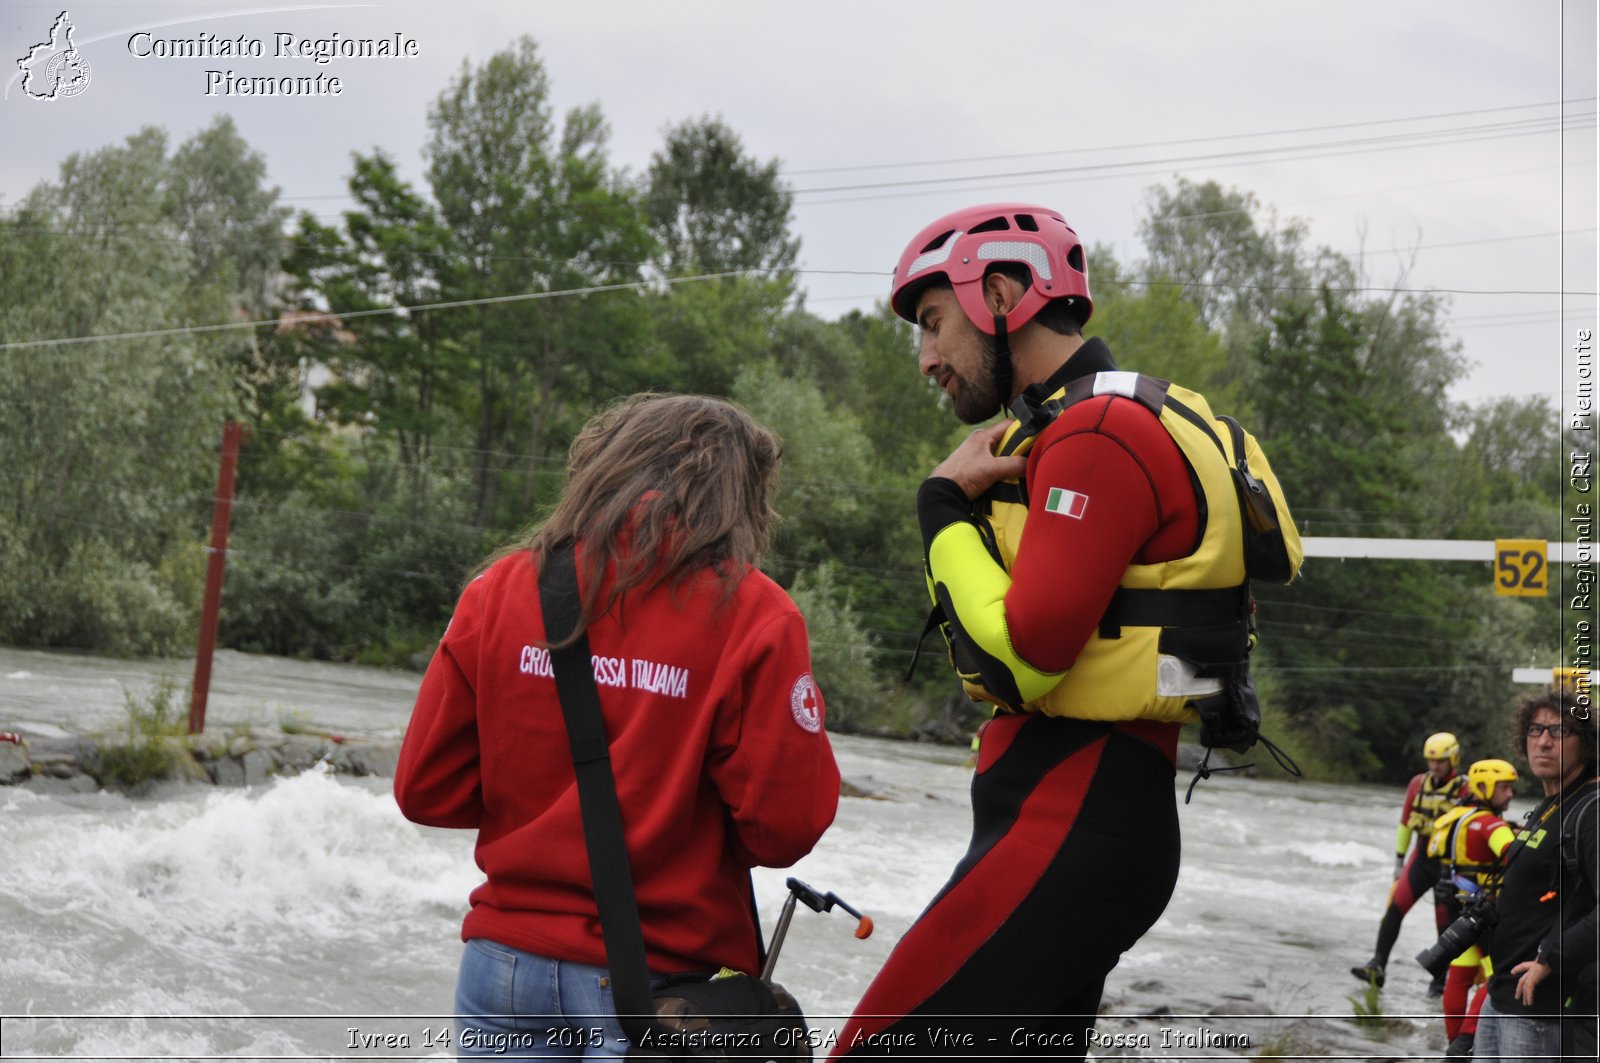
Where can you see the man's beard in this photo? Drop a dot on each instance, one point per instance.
(976, 398)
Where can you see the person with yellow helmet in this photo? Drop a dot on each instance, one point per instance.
(1429, 796)
(1468, 841)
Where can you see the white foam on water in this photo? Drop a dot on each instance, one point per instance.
(306, 896)
(16, 798)
(34, 729)
(1351, 853)
(304, 853)
(313, 896)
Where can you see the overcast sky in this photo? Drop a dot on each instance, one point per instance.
(1385, 124)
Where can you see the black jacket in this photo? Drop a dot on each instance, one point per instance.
(1548, 904)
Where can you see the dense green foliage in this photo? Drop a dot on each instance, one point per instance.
(396, 435)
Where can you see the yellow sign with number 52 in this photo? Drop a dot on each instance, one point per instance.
(1521, 567)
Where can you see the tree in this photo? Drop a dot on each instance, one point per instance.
(217, 197)
(1156, 330)
(394, 373)
(1509, 445)
(108, 446)
(532, 212)
(843, 653)
(706, 333)
(713, 208)
(845, 507)
(1348, 391)
(1213, 245)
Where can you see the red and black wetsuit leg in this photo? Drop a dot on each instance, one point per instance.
(1074, 855)
(1416, 881)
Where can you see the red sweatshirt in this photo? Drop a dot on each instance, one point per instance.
(715, 727)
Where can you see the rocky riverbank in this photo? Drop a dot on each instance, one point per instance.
(48, 759)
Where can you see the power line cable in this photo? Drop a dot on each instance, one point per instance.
(1359, 146)
(1473, 243)
(1506, 128)
(1158, 170)
(1388, 190)
(1184, 140)
(308, 317)
(1098, 148)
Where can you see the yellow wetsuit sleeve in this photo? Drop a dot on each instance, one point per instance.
(972, 588)
(1500, 837)
(1402, 839)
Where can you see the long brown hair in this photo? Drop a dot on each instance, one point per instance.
(662, 486)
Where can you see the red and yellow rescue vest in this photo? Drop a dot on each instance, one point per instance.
(1434, 799)
(1449, 843)
(1135, 666)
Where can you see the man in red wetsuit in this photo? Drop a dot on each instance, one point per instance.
(1051, 542)
(1430, 795)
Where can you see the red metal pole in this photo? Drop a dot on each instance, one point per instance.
(232, 432)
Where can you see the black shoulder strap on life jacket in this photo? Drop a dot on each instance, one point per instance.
(1265, 556)
(1034, 415)
(1571, 857)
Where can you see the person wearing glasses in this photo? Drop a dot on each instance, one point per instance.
(1543, 949)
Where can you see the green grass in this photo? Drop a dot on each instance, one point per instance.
(151, 741)
(1368, 1008)
(1283, 1045)
(294, 721)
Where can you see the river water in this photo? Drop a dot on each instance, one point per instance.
(306, 918)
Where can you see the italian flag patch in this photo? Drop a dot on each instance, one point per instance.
(1067, 503)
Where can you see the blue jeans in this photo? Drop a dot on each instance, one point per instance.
(512, 1004)
(1514, 1038)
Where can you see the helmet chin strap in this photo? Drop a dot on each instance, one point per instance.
(1003, 375)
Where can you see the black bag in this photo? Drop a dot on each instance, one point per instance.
(1231, 719)
(1269, 553)
(731, 1016)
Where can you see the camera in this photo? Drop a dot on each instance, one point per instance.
(1476, 920)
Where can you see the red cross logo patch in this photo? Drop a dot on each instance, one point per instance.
(805, 703)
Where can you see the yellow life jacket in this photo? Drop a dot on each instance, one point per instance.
(1448, 843)
(1433, 800)
(1173, 629)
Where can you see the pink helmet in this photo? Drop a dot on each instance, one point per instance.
(961, 246)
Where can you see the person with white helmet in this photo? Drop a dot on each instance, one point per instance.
(1468, 841)
(1087, 558)
(1430, 795)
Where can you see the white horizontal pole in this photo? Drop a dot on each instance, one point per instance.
(1434, 549)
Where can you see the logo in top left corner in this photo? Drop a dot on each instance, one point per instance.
(54, 69)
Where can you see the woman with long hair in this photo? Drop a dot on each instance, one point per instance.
(713, 719)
